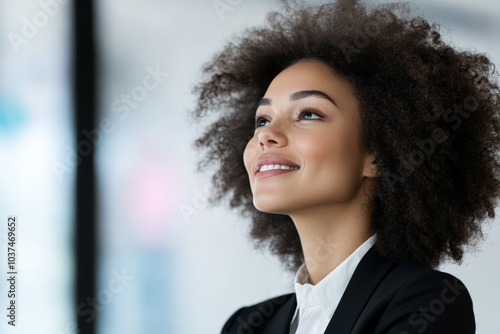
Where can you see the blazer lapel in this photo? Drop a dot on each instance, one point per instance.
(369, 273)
(280, 322)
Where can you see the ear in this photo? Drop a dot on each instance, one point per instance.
(370, 167)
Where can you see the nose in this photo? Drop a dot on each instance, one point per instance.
(271, 136)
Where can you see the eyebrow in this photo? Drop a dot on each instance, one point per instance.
(300, 95)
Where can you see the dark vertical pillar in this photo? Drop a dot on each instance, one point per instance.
(84, 95)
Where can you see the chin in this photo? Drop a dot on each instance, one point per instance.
(269, 207)
(273, 205)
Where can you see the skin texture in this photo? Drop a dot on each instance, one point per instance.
(326, 197)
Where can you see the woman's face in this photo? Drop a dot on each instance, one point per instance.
(306, 151)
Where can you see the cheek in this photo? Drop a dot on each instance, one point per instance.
(249, 156)
(324, 148)
(333, 153)
(346, 148)
(346, 157)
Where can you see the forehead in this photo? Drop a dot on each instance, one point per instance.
(306, 70)
(311, 75)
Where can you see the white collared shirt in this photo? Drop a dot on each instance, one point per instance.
(316, 304)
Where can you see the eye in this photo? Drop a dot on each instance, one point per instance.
(260, 121)
(309, 114)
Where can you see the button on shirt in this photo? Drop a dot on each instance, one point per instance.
(316, 304)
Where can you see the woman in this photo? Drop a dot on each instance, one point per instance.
(364, 150)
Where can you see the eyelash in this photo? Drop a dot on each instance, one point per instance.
(302, 111)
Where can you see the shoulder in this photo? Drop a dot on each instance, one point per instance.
(398, 279)
(422, 299)
(256, 314)
(408, 278)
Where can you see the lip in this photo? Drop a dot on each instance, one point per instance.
(274, 159)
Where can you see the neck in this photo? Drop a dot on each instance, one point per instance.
(329, 234)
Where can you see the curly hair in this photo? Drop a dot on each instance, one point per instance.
(429, 112)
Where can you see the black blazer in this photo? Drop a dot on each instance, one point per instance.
(382, 297)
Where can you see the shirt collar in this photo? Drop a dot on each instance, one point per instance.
(328, 292)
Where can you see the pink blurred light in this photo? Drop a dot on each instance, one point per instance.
(152, 197)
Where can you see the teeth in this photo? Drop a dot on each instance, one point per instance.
(271, 167)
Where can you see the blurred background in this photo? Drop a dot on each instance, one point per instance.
(164, 261)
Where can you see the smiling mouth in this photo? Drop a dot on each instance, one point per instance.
(272, 170)
(265, 168)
